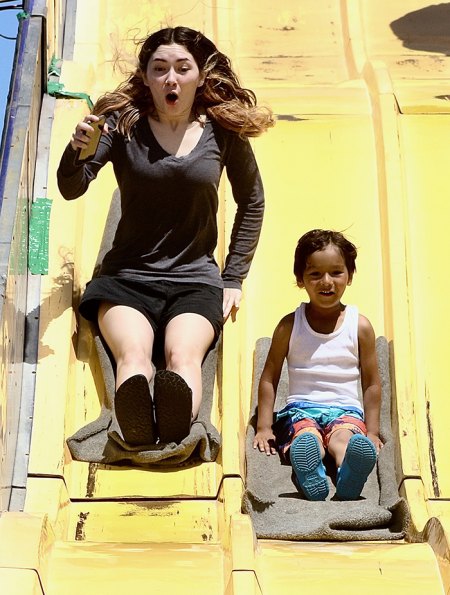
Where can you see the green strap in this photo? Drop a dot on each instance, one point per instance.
(53, 68)
(22, 15)
(38, 236)
(56, 89)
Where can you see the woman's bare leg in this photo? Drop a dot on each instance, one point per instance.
(130, 337)
(187, 339)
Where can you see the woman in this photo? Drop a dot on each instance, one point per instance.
(170, 129)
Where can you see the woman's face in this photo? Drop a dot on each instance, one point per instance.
(172, 75)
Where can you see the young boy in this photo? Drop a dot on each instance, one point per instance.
(328, 347)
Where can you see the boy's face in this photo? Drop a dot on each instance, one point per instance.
(325, 277)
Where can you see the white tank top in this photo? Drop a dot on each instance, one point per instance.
(324, 369)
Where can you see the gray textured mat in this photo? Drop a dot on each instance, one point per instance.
(277, 509)
(100, 441)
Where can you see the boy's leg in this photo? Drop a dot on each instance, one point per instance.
(355, 457)
(339, 430)
(337, 444)
(306, 454)
(359, 460)
(299, 442)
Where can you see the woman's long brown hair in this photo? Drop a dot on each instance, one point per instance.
(221, 96)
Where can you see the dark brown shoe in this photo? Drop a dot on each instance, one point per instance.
(134, 411)
(173, 406)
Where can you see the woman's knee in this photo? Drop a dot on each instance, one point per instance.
(127, 332)
(181, 357)
(187, 339)
(127, 354)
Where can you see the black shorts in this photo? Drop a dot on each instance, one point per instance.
(158, 301)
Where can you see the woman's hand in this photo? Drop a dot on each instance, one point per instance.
(80, 138)
(231, 301)
(265, 441)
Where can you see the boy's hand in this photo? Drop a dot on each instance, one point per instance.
(265, 441)
(376, 441)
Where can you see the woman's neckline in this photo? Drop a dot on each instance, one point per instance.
(199, 142)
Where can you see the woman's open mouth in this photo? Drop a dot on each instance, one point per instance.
(172, 97)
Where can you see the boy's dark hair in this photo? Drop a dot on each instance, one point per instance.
(318, 239)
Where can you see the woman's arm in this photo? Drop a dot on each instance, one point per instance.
(74, 177)
(243, 174)
(267, 389)
(370, 380)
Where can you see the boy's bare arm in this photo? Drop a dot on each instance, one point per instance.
(267, 389)
(370, 380)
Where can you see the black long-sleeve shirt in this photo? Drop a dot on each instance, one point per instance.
(168, 226)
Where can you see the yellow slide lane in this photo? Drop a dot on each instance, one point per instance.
(361, 145)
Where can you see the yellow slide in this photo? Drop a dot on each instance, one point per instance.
(360, 90)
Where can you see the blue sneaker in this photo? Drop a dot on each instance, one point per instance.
(307, 464)
(360, 458)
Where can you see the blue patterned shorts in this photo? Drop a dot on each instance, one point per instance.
(322, 420)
